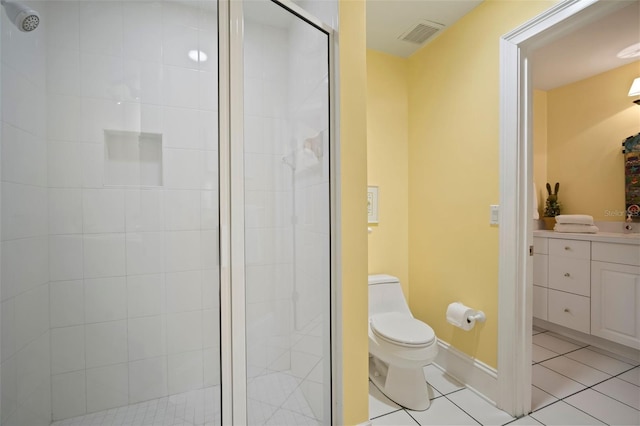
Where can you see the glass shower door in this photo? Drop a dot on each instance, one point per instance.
(287, 268)
(111, 305)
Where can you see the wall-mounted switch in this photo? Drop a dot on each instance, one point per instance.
(495, 214)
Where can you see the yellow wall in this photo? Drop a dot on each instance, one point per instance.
(353, 199)
(587, 122)
(454, 171)
(540, 147)
(387, 158)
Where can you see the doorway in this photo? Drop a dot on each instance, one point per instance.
(516, 195)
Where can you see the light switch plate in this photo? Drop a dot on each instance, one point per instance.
(494, 219)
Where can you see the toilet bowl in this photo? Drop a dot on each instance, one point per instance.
(399, 345)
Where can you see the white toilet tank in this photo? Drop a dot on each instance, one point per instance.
(385, 295)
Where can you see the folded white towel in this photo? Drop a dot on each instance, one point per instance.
(575, 228)
(581, 219)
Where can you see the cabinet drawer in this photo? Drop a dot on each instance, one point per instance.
(626, 254)
(540, 245)
(570, 248)
(569, 310)
(570, 275)
(540, 270)
(540, 302)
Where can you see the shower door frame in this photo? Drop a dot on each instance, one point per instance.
(231, 201)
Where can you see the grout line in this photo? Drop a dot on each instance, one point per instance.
(592, 387)
(624, 372)
(460, 408)
(571, 351)
(544, 360)
(386, 414)
(595, 368)
(528, 415)
(574, 342)
(615, 399)
(439, 391)
(454, 391)
(588, 414)
(563, 399)
(561, 353)
(540, 421)
(556, 399)
(412, 418)
(574, 380)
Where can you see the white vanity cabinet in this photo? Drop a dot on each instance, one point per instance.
(569, 283)
(615, 293)
(592, 284)
(540, 276)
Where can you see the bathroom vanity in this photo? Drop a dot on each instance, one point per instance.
(589, 283)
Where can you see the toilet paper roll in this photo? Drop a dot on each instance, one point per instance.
(459, 314)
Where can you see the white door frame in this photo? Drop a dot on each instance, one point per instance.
(516, 195)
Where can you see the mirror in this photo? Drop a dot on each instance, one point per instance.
(582, 113)
(632, 176)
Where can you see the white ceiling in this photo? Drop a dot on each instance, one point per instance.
(388, 19)
(589, 50)
(585, 52)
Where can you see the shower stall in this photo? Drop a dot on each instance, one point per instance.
(166, 214)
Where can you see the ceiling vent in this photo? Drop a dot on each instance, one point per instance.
(421, 32)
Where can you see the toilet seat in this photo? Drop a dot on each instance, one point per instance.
(402, 330)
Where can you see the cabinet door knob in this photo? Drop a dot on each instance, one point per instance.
(567, 248)
(567, 310)
(566, 274)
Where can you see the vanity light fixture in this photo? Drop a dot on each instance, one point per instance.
(635, 90)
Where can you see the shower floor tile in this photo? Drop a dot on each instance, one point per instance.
(274, 398)
(194, 408)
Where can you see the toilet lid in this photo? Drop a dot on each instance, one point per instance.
(402, 329)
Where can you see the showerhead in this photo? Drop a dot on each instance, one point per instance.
(23, 17)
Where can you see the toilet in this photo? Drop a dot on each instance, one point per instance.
(399, 345)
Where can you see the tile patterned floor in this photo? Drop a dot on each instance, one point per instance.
(573, 384)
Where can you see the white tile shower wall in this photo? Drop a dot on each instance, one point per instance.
(25, 355)
(134, 279)
(268, 199)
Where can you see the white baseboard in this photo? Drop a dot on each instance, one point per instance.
(475, 375)
(367, 423)
(607, 345)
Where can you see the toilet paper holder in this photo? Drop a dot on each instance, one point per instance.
(478, 317)
(464, 317)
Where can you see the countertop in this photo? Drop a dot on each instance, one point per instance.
(606, 237)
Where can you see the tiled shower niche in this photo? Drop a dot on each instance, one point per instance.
(132, 159)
